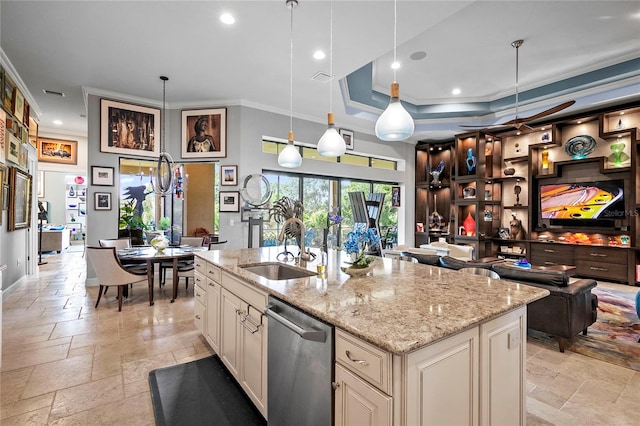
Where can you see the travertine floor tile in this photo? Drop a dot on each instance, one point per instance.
(26, 405)
(14, 360)
(87, 396)
(57, 375)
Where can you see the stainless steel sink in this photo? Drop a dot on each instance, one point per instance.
(277, 271)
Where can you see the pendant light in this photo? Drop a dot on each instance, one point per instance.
(290, 155)
(164, 171)
(395, 123)
(331, 144)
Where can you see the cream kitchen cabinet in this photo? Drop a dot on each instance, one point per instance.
(458, 380)
(200, 295)
(243, 337)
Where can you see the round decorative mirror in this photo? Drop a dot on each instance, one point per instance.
(256, 190)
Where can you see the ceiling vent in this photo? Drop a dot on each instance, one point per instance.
(52, 92)
(322, 77)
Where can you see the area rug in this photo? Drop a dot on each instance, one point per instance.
(200, 392)
(614, 336)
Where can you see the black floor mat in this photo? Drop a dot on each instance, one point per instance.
(201, 392)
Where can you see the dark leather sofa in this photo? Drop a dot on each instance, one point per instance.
(569, 309)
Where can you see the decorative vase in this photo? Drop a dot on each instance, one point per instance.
(618, 152)
(357, 272)
(159, 243)
(469, 225)
(469, 192)
(470, 161)
(436, 221)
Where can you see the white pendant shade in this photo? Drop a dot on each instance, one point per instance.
(290, 156)
(395, 123)
(331, 144)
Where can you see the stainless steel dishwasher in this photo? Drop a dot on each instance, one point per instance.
(300, 367)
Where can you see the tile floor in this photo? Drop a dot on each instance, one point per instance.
(66, 363)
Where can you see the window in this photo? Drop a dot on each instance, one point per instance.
(319, 194)
(310, 152)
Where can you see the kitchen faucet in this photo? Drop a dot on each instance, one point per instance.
(304, 255)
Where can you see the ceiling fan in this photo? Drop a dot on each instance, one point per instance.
(520, 123)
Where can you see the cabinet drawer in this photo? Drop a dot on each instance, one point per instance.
(200, 294)
(608, 271)
(551, 260)
(553, 250)
(200, 265)
(370, 363)
(213, 272)
(199, 312)
(602, 255)
(200, 279)
(246, 292)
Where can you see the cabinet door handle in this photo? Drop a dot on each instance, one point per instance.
(597, 255)
(251, 330)
(198, 317)
(549, 263)
(335, 385)
(212, 284)
(594, 268)
(197, 294)
(549, 250)
(356, 361)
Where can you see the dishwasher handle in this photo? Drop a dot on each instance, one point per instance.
(306, 333)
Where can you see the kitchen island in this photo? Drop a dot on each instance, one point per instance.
(414, 344)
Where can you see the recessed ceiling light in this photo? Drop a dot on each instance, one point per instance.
(395, 65)
(227, 18)
(456, 91)
(319, 54)
(579, 121)
(416, 56)
(57, 122)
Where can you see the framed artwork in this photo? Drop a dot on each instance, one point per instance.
(228, 175)
(18, 106)
(5, 197)
(129, 129)
(9, 92)
(20, 197)
(101, 176)
(3, 117)
(33, 132)
(395, 196)
(40, 184)
(13, 149)
(102, 201)
(347, 135)
(23, 158)
(204, 133)
(229, 201)
(57, 151)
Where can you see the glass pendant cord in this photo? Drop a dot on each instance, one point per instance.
(290, 156)
(331, 144)
(164, 170)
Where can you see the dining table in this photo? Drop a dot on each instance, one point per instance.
(151, 256)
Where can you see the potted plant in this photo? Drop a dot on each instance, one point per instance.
(130, 223)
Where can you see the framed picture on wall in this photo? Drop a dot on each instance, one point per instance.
(102, 201)
(204, 133)
(20, 197)
(40, 184)
(129, 129)
(101, 176)
(228, 175)
(347, 135)
(33, 132)
(13, 149)
(57, 151)
(18, 106)
(229, 201)
(3, 144)
(395, 196)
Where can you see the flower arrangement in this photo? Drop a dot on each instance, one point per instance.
(356, 245)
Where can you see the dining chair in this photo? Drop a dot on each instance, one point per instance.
(110, 272)
(123, 243)
(185, 267)
(481, 271)
(217, 245)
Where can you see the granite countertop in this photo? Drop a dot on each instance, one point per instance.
(401, 306)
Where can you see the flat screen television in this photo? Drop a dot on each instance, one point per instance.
(597, 203)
